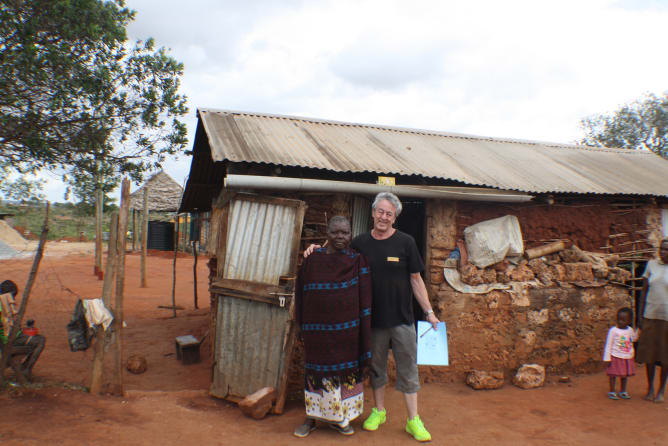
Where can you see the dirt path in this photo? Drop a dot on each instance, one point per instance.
(169, 404)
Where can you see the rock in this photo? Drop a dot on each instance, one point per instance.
(136, 364)
(501, 266)
(538, 266)
(471, 275)
(529, 376)
(522, 274)
(538, 317)
(569, 256)
(618, 274)
(578, 271)
(503, 277)
(558, 272)
(489, 275)
(482, 380)
(258, 404)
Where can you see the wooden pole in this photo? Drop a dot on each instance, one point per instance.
(134, 229)
(186, 231)
(117, 382)
(144, 239)
(26, 295)
(195, 274)
(195, 243)
(109, 275)
(99, 203)
(176, 245)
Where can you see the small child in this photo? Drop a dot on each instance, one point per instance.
(619, 352)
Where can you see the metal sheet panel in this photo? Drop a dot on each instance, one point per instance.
(528, 166)
(259, 241)
(249, 347)
(361, 215)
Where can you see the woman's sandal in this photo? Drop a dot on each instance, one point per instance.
(613, 396)
(624, 395)
(348, 430)
(305, 429)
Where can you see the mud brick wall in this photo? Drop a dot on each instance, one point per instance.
(588, 223)
(560, 328)
(549, 321)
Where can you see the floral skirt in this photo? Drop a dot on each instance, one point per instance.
(334, 401)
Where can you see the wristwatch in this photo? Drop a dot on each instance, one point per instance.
(428, 313)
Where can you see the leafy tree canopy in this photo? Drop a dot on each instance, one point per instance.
(75, 95)
(642, 124)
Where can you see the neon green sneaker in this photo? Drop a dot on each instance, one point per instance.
(417, 430)
(376, 418)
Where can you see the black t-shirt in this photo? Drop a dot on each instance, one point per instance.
(392, 261)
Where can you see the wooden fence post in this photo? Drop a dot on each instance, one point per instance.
(144, 239)
(117, 382)
(176, 250)
(100, 338)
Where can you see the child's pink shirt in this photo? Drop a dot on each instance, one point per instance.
(620, 343)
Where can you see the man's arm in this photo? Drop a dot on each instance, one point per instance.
(420, 292)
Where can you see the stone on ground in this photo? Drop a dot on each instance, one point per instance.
(483, 380)
(137, 364)
(530, 376)
(258, 404)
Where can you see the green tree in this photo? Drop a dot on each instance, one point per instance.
(49, 54)
(642, 124)
(73, 95)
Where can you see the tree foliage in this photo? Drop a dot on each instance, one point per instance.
(75, 95)
(49, 53)
(642, 124)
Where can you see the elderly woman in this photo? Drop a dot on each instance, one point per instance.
(333, 311)
(653, 345)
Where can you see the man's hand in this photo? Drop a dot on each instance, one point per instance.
(433, 320)
(308, 251)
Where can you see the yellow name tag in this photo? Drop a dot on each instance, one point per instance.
(393, 259)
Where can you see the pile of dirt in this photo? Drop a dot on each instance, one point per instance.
(11, 237)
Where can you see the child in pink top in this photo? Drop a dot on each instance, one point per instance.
(619, 353)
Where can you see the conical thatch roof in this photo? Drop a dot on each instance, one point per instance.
(164, 194)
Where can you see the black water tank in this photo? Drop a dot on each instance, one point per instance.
(161, 235)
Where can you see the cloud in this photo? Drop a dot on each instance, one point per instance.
(518, 68)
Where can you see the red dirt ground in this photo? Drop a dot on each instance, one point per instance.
(169, 404)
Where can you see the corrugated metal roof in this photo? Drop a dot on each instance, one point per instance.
(527, 166)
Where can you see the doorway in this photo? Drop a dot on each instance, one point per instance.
(412, 221)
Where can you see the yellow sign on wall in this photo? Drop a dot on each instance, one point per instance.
(386, 181)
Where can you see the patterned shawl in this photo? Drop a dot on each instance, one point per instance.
(333, 312)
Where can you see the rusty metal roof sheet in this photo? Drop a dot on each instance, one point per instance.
(528, 166)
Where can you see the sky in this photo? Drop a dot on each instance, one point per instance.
(517, 69)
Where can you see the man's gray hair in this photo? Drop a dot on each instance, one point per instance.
(389, 196)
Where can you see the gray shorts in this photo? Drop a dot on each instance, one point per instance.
(404, 350)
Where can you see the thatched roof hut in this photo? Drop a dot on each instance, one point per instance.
(164, 194)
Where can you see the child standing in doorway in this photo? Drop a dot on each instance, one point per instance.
(619, 353)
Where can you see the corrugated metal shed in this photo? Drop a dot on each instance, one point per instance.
(254, 332)
(526, 166)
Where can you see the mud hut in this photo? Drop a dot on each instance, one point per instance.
(266, 177)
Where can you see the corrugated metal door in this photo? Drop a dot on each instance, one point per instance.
(254, 333)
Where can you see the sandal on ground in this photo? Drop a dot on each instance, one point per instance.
(624, 395)
(305, 429)
(348, 430)
(613, 396)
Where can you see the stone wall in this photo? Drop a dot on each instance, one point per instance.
(557, 313)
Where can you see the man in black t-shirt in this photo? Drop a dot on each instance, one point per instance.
(395, 275)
